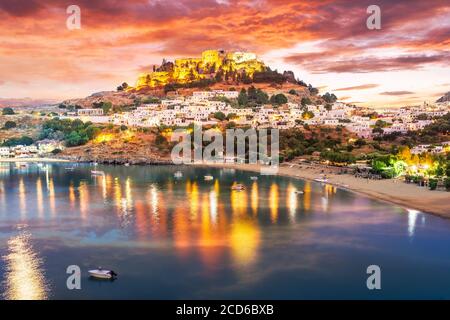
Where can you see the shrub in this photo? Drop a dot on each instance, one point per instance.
(9, 125)
(447, 184)
(7, 111)
(433, 184)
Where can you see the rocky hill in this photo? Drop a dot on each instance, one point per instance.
(444, 98)
(215, 69)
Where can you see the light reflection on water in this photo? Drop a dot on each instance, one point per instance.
(217, 236)
(24, 276)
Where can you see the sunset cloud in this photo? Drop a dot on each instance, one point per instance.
(325, 42)
(359, 87)
(396, 93)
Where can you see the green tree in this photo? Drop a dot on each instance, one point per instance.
(377, 130)
(278, 99)
(329, 98)
(9, 125)
(23, 141)
(220, 116)
(261, 97)
(243, 97)
(8, 111)
(306, 101)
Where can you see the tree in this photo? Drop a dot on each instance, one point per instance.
(306, 101)
(23, 141)
(242, 98)
(377, 130)
(293, 92)
(329, 98)
(9, 125)
(8, 111)
(278, 99)
(219, 116)
(106, 106)
(261, 97)
(251, 92)
(313, 90)
(380, 123)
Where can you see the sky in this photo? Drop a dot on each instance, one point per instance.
(326, 43)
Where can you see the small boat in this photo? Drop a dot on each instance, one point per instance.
(97, 173)
(253, 178)
(127, 164)
(238, 187)
(322, 180)
(69, 168)
(209, 178)
(178, 174)
(102, 274)
(298, 192)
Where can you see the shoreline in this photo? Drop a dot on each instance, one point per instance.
(33, 160)
(409, 196)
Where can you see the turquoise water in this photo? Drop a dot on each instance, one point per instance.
(188, 238)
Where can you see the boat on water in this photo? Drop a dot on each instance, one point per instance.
(322, 180)
(178, 174)
(298, 192)
(97, 173)
(69, 168)
(127, 164)
(102, 273)
(253, 178)
(209, 178)
(238, 187)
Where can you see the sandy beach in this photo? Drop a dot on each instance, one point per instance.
(32, 160)
(395, 191)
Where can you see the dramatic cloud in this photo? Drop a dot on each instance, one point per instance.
(119, 39)
(359, 87)
(396, 93)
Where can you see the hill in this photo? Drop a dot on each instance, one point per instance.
(214, 70)
(444, 98)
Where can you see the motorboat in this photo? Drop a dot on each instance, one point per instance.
(127, 164)
(102, 273)
(178, 174)
(253, 178)
(209, 178)
(97, 173)
(298, 192)
(69, 168)
(238, 187)
(322, 180)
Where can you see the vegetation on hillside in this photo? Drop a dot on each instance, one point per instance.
(72, 132)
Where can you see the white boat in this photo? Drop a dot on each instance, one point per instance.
(97, 173)
(298, 192)
(69, 168)
(238, 187)
(127, 164)
(253, 178)
(322, 180)
(178, 174)
(209, 178)
(102, 274)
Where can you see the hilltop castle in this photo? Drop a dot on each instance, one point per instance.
(213, 64)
